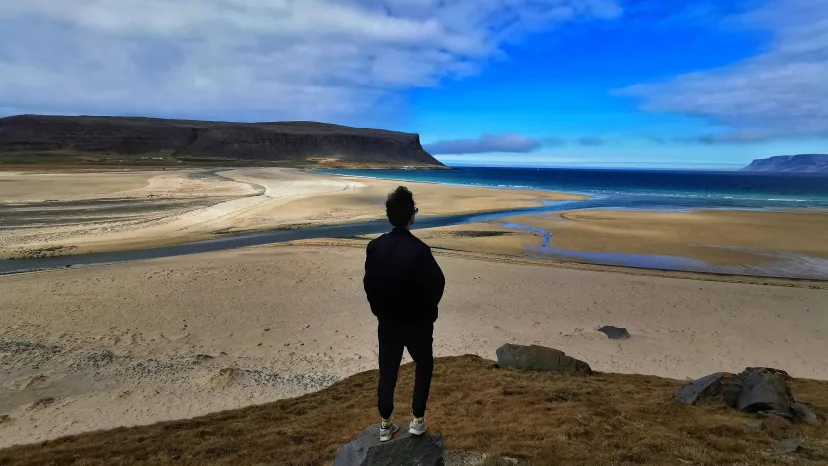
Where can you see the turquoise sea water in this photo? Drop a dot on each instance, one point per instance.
(641, 189)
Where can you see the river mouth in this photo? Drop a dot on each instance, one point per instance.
(344, 230)
(780, 264)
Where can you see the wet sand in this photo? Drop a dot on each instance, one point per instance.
(786, 244)
(135, 343)
(72, 213)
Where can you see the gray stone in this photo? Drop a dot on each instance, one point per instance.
(764, 389)
(787, 446)
(614, 333)
(754, 423)
(705, 387)
(539, 358)
(806, 414)
(403, 450)
(760, 390)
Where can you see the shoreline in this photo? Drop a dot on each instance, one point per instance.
(586, 194)
(321, 171)
(332, 207)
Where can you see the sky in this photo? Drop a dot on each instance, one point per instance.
(598, 83)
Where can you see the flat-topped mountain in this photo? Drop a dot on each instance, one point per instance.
(40, 139)
(790, 163)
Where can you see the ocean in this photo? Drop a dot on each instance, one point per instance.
(640, 189)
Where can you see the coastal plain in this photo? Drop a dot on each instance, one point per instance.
(135, 343)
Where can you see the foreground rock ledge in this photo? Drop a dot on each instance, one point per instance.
(404, 450)
(539, 358)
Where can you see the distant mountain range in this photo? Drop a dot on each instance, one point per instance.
(790, 163)
(27, 139)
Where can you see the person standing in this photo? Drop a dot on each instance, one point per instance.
(404, 285)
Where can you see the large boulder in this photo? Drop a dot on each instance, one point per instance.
(710, 386)
(755, 390)
(539, 358)
(403, 450)
(765, 389)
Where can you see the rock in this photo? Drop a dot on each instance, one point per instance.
(754, 423)
(404, 450)
(806, 414)
(706, 387)
(764, 389)
(539, 358)
(759, 390)
(614, 333)
(787, 446)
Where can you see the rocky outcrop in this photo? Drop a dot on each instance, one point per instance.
(539, 358)
(403, 450)
(36, 138)
(755, 390)
(790, 163)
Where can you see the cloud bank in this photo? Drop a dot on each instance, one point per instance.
(516, 143)
(778, 94)
(591, 141)
(510, 143)
(261, 59)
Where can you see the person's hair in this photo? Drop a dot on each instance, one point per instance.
(400, 207)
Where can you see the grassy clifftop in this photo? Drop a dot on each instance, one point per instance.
(96, 140)
(540, 418)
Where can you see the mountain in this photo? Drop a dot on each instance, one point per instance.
(43, 139)
(790, 163)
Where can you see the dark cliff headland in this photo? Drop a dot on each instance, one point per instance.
(115, 141)
(802, 163)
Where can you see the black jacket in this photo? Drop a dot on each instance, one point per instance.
(402, 280)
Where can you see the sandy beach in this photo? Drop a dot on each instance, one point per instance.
(59, 213)
(134, 343)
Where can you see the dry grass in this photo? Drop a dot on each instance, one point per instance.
(543, 418)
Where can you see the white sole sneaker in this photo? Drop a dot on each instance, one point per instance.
(388, 434)
(416, 429)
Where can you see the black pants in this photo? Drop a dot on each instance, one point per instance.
(417, 338)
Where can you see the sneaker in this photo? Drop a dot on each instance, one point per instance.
(387, 430)
(417, 426)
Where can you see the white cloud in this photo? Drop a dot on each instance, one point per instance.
(273, 59)
(485, 144)
(778, 94)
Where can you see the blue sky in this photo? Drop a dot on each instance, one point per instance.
(634, 83)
